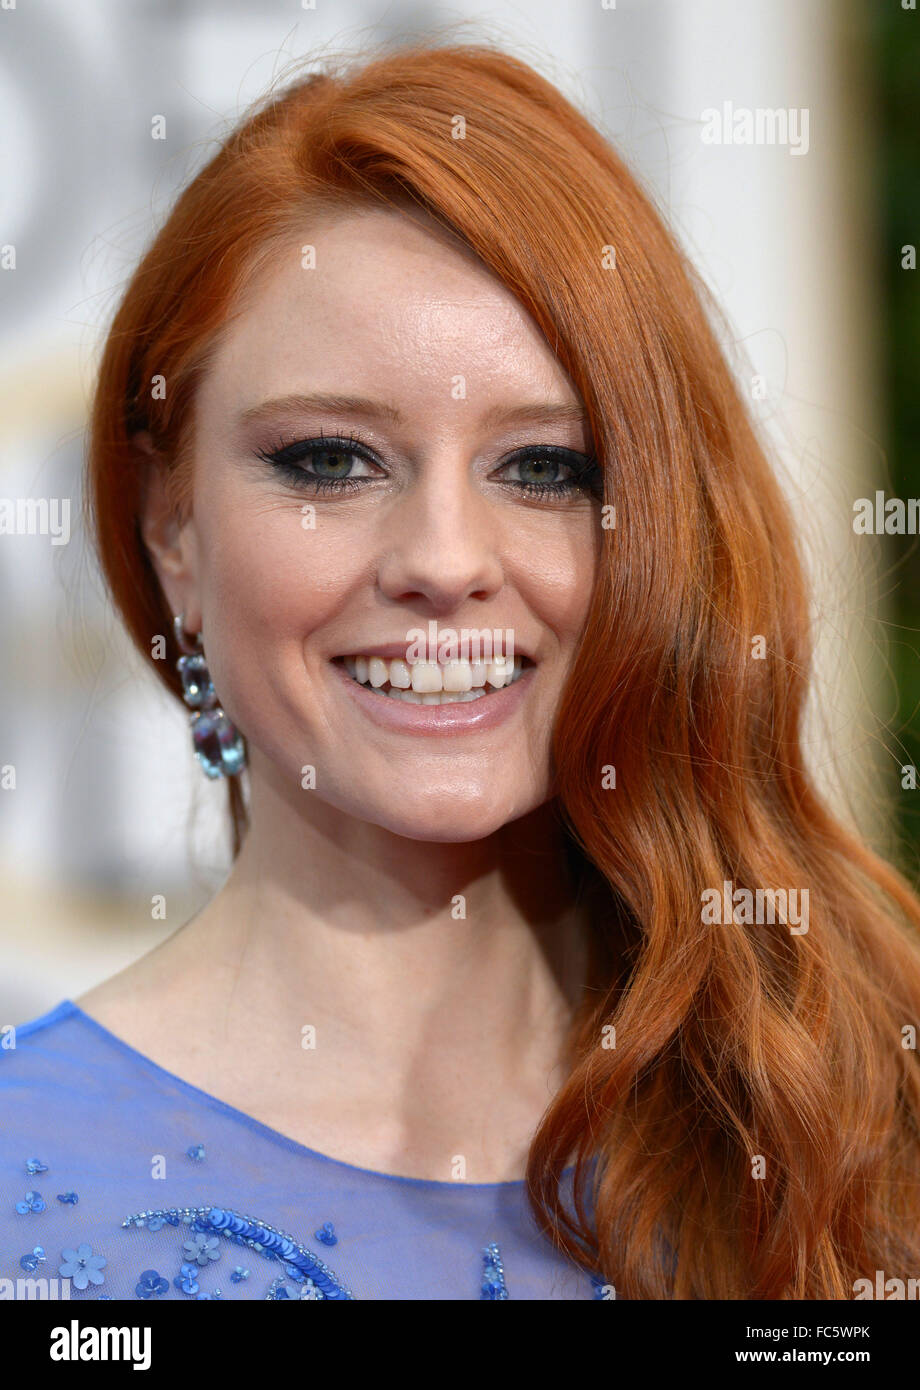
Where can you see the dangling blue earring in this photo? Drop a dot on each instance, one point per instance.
(218, 744)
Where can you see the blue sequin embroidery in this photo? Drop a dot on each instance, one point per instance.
(211, 1222)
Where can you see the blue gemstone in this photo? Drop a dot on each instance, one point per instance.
(197, 687)
(218, 744)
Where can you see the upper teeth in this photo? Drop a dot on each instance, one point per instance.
(428, 677)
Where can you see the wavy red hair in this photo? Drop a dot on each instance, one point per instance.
(731, 1042)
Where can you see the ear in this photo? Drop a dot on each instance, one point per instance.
(171, 542)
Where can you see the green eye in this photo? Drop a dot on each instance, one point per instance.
(544, 465)
(332, 461)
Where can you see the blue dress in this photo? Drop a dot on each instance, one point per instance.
(119, 1180)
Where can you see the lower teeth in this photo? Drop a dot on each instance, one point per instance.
(414, 697)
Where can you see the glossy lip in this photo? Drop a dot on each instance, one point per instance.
(469, 716)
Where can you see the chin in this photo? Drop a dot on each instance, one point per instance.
(444, 824)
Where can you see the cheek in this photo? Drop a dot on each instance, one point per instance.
(557, 572)
(267, 582)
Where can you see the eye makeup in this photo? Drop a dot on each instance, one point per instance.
(336, 452)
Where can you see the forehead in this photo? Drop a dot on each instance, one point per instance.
(388, 299)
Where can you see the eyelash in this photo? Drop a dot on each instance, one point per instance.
(287, 458)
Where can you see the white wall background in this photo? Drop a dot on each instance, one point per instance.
(107, 788)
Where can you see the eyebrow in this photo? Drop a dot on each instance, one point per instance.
(544, 412)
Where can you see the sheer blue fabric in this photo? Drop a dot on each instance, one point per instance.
(120, 1180)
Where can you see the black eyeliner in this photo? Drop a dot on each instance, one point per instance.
(286, 459)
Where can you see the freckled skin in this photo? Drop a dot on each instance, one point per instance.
(395, 313)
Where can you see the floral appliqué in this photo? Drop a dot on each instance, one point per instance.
(82, 1266)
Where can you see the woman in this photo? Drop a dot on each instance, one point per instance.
(413, 360)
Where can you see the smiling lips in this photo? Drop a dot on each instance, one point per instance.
(433, 682)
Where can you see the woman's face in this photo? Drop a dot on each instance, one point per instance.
(457, 402)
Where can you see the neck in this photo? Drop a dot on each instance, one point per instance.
(439, 980)
(327, 917)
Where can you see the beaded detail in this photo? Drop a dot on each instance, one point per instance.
(186, 1281)
(32, 1201)
(305, 1276)
(493, 1273)
(151, 1284)
(211, 1222)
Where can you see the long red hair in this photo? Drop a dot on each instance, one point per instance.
(756, 1124)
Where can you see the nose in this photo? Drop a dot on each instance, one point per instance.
(443, 539)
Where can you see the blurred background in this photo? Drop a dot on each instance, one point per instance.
(103, 809)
